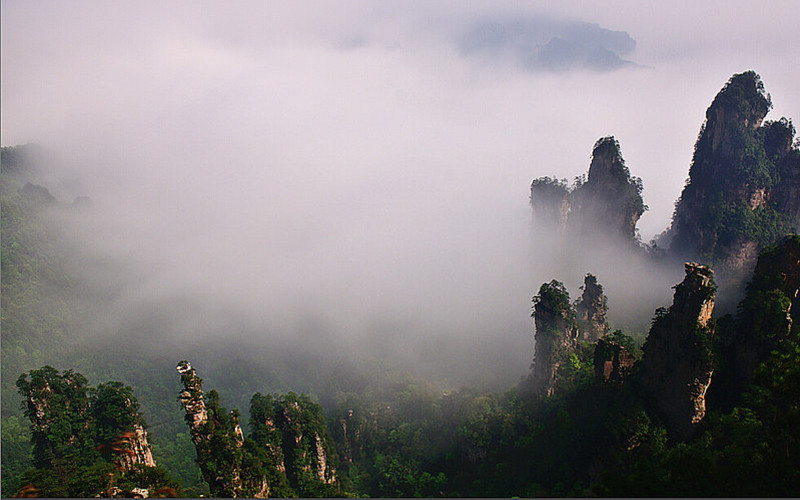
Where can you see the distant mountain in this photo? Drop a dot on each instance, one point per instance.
(548, 45)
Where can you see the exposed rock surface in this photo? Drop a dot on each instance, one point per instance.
(216, 435)
(612, 361)
(37, 194)
(556, 335)
(550, 203)
(350, 435)
(610, 201)
(303, 448)
(779, 268)
(786, 195)
(140, 453)
(743, 191)
(765, 319)
(677, 356)
(357, 428)
(76, 427)
(608, 205)
(192, 400)
(287, 453)
(58, 408)
(592, 309)
(564, 331)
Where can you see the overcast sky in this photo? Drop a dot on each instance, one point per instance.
(371, 156)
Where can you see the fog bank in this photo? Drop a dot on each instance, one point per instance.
(349, 177)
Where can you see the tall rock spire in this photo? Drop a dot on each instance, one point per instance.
(556, 335)
(677, 357)
(607, 205)
(743, 191)
(592, 309)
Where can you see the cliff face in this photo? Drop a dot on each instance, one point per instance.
(216, 435)
(77, 430)
(612, 361)
(610, 201)
(556, 335)
(303, 446)
(192, 401)
(608, 205)
(766, 317)
(550, 201)
(786, 195)
(778, 268)
(118, 425)
(58, 408)
(677, 356)
(742, 192)
(564, 332)
(140, 453)
(287, 454)
(592, 309)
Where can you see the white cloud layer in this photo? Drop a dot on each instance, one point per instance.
(349, 158)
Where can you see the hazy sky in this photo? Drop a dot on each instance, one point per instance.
(368, 159)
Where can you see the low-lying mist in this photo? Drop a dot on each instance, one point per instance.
(438, 286)
(347, 187)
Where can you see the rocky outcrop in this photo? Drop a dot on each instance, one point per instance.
(120, 428)
(100, 423)
(350, 433)
(37, 194)
(786, 194)
(305, 452)
(563, 332)
(286, 454)
(358, 428)
(778, 268)
(325, 473)
(550, 203)
(65, 413)
(139, 453)
(612, 361)
(743, 191)
(610, 201)
(58, 407)
(765, 319)
(677, 356)
(607, 205)
(192, 400)
(216, 435)
(556, 335)
(592, 309)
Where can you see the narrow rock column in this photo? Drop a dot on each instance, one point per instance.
(556, 335)
(592, 309)
(192, 400)
(677, 360)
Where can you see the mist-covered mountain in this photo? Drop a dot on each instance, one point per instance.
(695, 403)
(606, 205)
(742, 193)
(541, 44)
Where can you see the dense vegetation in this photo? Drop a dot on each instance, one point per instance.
(742, 183)
(288, 452)
(83, 438)
(45, 307)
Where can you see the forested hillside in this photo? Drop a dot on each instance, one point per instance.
(45, 307)
(697, 404)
